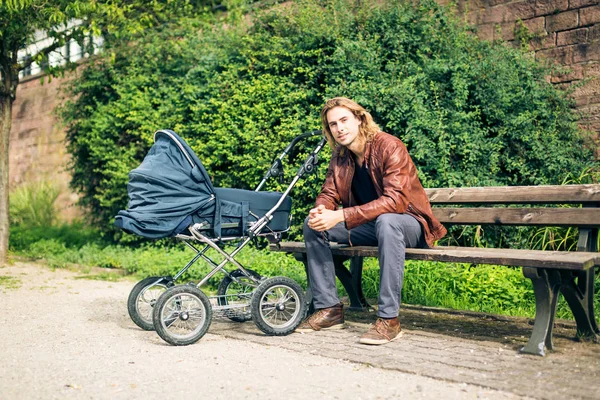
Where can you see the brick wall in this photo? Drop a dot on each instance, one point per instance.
(564, 31)
(37, 142)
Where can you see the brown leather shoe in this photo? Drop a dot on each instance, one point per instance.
(324, 319)
(382, 331)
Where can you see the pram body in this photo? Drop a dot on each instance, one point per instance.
(171, 190)
(171, 195)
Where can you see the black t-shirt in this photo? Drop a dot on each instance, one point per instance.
(362, 186)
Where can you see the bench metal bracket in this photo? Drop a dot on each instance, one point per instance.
(546, 284)
(578, 289)
(350, 279)
(579, 294)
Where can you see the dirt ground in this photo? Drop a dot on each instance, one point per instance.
(65, 335)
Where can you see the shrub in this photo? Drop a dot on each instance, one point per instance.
(73, 235)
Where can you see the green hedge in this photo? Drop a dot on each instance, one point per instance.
(470, 112)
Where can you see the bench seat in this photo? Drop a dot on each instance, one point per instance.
(508, 257)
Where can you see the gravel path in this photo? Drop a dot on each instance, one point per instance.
(65, 337)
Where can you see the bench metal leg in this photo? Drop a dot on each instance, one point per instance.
(352, 281)
(578, 289)
(356, 267)
(580, 294)
(546, 284)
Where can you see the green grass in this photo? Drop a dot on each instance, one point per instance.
(36, 235)
(151, 260)
(483, 288)
(102, 276)
(10, 282)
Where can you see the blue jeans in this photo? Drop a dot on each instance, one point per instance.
(392, 233)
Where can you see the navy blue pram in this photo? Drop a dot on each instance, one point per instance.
(171, 195)
(171, 190)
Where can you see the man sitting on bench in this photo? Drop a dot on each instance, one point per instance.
(384, 205)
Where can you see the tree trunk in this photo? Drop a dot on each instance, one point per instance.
(6, 103)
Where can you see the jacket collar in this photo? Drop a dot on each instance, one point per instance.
(344, 153)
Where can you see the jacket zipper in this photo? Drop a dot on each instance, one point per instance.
(413, 210)
(350, 194)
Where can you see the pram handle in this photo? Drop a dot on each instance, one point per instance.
(307, 167)
(277, 166)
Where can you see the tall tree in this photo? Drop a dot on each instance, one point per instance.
(62, 21)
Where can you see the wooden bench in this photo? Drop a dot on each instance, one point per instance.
(571, 273)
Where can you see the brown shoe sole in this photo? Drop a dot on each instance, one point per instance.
(380, 341)
(331, 328)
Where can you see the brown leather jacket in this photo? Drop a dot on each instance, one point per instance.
(395, 179)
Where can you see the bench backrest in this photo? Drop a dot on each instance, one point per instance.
(520, 205)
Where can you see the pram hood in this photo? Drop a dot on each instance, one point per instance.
(168, 188)
(171, 190)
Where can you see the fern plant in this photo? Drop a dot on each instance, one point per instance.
(33, 204)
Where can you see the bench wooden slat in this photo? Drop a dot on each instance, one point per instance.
(557, 194)
(508, 257)
(582, 217)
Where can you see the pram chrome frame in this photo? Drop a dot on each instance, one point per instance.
(254, 229)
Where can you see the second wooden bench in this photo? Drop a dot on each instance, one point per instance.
(571, 273)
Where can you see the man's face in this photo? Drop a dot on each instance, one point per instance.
(343, 125)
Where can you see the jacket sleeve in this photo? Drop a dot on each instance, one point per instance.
(329, 196)
(397, 169)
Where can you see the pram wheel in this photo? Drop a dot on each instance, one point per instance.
(182, 315)
(142, 298)
(231, 292)
(278, 306)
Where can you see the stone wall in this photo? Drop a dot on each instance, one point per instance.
(37, 142)
(564, 31)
